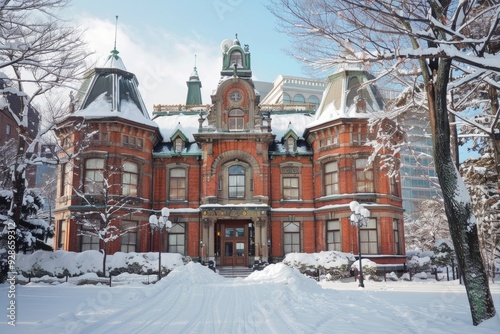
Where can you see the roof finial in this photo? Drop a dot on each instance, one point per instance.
(115, 52)
(195, 62)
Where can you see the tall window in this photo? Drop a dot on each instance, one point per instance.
(236, 181)
(61, 240)
(290, 188)
(94, 177)
(7, 129)
(394, 186)
(87, 241)
(333, 235)
(236, 120)
(290, 144)
(179, 145)
(128, 240)
(130, 177)
(62, 180)
(332, 178)
(177, 239)
(177, 184)
(358, 137)
(291, 236)
(368, 235)
(397, 242)
(364, 176)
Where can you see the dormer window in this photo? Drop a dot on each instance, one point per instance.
(236, 58)
(178, 145)
(236, 120)
(290, 144)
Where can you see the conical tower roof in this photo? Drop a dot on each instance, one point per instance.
(346, 96)
(112, 91)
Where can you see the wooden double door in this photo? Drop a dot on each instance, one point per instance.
(234, 243)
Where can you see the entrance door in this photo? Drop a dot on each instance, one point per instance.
(234, 244)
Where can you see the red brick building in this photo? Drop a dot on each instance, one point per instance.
(243, 181)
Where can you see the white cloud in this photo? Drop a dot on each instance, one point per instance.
(162, 67)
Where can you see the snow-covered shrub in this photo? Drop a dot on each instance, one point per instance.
(369, 269)
(329, 264)
(391, 276)
(421, 275)
(419, 261)
(61, 263)
(443, 253)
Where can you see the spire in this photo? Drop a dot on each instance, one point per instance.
(194, 87)
(114, 61)
(116, 29)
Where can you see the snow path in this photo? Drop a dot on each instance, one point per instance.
(193, 299)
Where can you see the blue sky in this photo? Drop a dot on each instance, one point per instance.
(158, 41)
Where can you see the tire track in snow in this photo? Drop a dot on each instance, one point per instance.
(134, 319)
(201, 317)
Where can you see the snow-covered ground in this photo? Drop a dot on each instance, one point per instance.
(193, 299)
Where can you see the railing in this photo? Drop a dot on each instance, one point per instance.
(176, 108)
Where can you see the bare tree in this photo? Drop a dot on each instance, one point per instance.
(106, 204)
(39, 53)
(445, 44)
(430, 227)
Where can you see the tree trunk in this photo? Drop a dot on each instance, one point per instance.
(104, 261)
(458, 206)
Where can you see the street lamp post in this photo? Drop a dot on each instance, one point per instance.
(359, 218)
(158, 223)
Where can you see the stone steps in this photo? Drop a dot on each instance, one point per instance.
(231, 272)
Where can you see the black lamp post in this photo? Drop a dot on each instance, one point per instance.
(359, 218)
(158, 223)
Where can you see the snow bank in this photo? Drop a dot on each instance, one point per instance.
(282, 274)
(192, 273)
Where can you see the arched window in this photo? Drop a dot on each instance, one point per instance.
(313, 99)
(236, 58)
(130, 177)
(236, 120)
(286, 98)
(299, 98)
(236, 181)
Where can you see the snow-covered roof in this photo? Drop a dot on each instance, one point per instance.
(187, 123)
(346, 97)
(114, 61)
(101, 108)
(281, 123)
(112, 91)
